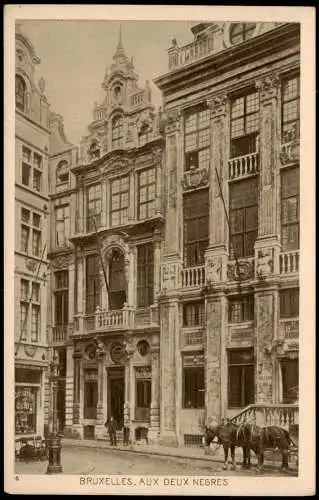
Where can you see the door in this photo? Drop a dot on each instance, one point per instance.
(116, 406)
(290, 380)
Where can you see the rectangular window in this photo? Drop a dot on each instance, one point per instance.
(194, 387)
(37, 160)
(23, 320)
(93, 207)
(35, 292)
(119, 201)
(61, 298)
(26, 174)
(143, 393)
(25, 410)
(244, 124)
(93, 284)
(36, 243)
(241, 309)
(145, 274)
(90, 393)
(26, 154)
(35, 323)
(290, 208)
(240, 378)
(243, 215)
(289, 303)
(24, 290)
(290, 111)
(25, 232)
(37, 178)
(196, 220)
(62, 225)
(193, 314)
(146, 193)
(197, 139)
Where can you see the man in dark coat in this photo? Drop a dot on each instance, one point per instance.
(111, 427)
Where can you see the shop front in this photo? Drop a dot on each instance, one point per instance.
(29, 412)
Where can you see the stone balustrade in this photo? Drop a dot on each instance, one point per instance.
(289, 262)
(192, 336)
(282, 415)
(59, 333)
(114, 319)
(241, 166)
(198, 49)
(290, 151)
(138, 99)
(193, 277)
(289, 328)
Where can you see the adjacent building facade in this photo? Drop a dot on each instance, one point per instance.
(106, 237)
(229, 274)
(30, 226)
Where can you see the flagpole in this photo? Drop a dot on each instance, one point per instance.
(102, 263)
(228, 223)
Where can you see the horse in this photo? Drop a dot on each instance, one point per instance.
(271, 436)
(230, 435)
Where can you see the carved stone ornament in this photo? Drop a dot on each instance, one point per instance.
(169, 276)
(195, 178)
(31, 265)
(245, 271)
(268, 86)
(60, 262)
(90, 352)
(217, 104)
(264, 263)
(173, 119)
(290, 152)
(30, 350)
(213, 269)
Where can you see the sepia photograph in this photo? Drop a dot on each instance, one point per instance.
(158, 297)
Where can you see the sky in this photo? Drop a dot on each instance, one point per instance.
(75, 54)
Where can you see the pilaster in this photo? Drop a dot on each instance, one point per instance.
(154, 429)
(78, 395)
(69, 388)
(103, 202)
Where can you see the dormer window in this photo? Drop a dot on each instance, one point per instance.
(117, 132)
(94, 151)
(62, 172)
(240, 32)
(21, 90)
(145, 134)
(117, 94)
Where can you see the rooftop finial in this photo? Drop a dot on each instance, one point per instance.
(119, 49)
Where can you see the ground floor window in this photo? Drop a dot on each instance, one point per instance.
(143, 395)
(241, 381)
(90, 394)
(290, 380)
(193, 387)
(25, 410)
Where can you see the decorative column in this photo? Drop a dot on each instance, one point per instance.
(69, 390)
(129, 349)
(101, 407)
(154, 430)
(80, 222)
(267, 246)
(158, 160)
(216, 253)
(132, 191)
(78, 406)
(104, 202)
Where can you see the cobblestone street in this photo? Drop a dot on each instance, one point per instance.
(78, 460)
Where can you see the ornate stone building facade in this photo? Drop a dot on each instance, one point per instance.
(31, 213)
(229, 304)
(106, 236)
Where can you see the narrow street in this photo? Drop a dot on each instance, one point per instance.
(78, 460)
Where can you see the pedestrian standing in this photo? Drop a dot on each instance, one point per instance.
(111, 427)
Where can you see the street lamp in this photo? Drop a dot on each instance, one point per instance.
(54, 466)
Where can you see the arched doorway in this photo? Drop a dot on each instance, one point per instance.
(117, 280)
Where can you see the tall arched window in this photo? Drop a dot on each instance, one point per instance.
(94, 151)
(117, 132)
(145, 134)
(117, 280)
(62, 172)
(21, 90)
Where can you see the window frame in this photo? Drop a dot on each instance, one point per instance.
(30, 302)
(146, 385)
(61, 295)
(20, 90)
(193, 153)
(32, 163)
(62, 169)
(95, 281)
(244, 368)
(288, 224)
(95, 201)
(292, 297)
(248, 139)
(246, 305)
(118, 132)
(148, 203)
(145, 275)
(196, 392)
(295, 131)
(243, 32)
(122, 211)
(62, 222)
(34, 230)
(197, 246)
(197, 314)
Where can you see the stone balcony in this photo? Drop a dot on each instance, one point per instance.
(290, 152)
(59, 333)
(193, 277)
(242, 166)
(105, 320)
(198, 49)
(289, 262)
(288, 328)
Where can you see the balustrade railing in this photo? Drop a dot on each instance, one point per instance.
(282, 415)
(243, 165)
(193, 277)
(191, 52)
(289, 262)
(59, 333)
(138, 98)
(114, 319)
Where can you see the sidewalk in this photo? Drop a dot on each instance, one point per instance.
(216, 454)
(70, 463)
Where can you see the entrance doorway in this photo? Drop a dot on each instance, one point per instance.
(290, 380)
(116, 395)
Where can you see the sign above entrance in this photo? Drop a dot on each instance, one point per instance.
(193, 360)
(143, 372)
